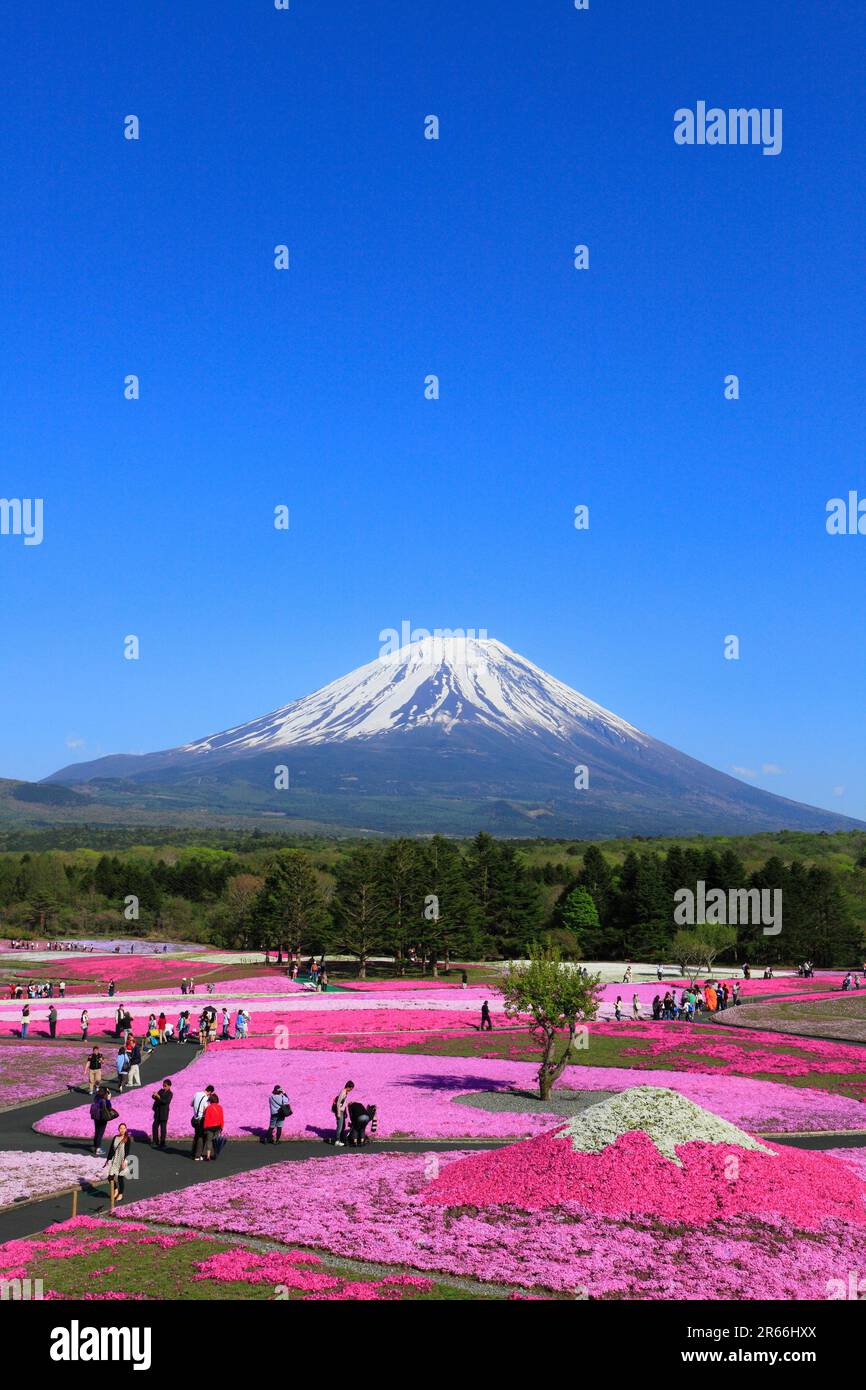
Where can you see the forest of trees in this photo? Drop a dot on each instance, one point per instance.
(428, 901)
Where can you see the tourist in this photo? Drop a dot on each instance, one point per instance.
(213, 1124)
(617, 1009)
(486, 1021)
(280, 1110)
(160, 1028)
(183, 1026)
(658, 973)
(200, 1103)
(227, 1023)
(85, 1021)
(657, 1008)
(183, 985)
(464, 979)
(359, 1117)
(62, 989)
(635, 1008)
(736, 992)
(121, 1065)
(241, 1023)
(115, 1162)
(52, 1022)
(93, 1069)
(711, 998)
(101, 1111)
(25, 1020)
(323, 980)
(161, 1102)
(339, 1111)
(134, 1055)
(111, 989)
(626, 979)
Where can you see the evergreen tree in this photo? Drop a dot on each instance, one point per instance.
(289, 910)
(358, 909)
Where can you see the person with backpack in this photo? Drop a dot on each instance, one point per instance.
(280, 1110)
(115, 1161)
(161, 1102)
(101, 1111)
(213, 1124)
(339, 1109)
(200, 1103)
(121, 1066)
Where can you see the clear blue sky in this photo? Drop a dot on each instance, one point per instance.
(408, 257)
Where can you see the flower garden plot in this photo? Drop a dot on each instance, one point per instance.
(29, 1071)
(88, 1258)
(415, 1094)
(621, 1202)
(839, 1016)
(26, 1177)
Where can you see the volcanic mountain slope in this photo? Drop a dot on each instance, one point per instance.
(449, 734)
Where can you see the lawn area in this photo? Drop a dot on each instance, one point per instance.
(89, 1259)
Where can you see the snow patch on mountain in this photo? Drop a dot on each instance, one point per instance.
(439, 682)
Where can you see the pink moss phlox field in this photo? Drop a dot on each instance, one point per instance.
(695, 1051)
(28, 1071)
(16, 1255)
(414, 1094)
(27, 1176)
(290, 1269)
(631, 1177)
(371, 1207)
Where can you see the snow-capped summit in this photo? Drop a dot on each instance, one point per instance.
(436, 682)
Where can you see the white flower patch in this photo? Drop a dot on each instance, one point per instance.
(666, 1117)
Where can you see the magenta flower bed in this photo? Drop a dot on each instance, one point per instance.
(372, 1207)
(30, 1071)
(415, 1095)
(631, 1177)
(300, 1273)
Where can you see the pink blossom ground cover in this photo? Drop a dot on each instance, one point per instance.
(29, 1071)
(25, 1176)
(300, 1274)
(373, 1207)
(415, 1095)
(123, 969)
(690, 1048)
(631, 1177)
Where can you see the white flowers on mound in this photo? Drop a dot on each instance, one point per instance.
(664, 1115)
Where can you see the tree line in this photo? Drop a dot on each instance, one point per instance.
(426, 900)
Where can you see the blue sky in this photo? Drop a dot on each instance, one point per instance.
(454, 257)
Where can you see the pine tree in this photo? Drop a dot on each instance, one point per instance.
(358, 909)
(289, 910)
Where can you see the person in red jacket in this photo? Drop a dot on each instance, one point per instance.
(212, 1126)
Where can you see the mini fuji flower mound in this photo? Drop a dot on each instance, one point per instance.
(651, 1152)
(664, 1116)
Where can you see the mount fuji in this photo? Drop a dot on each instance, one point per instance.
(449, 734)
